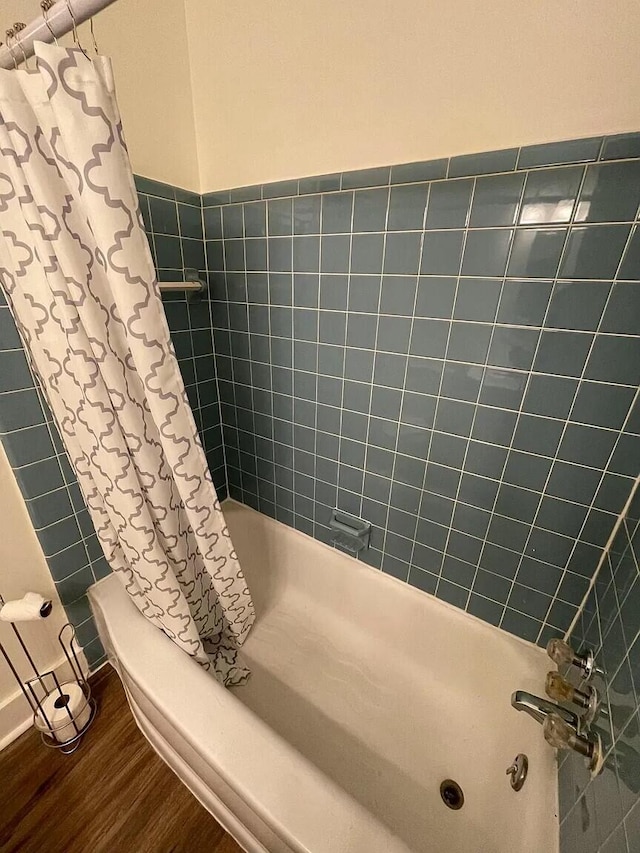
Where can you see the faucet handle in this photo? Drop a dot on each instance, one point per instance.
(560, 735)
(562, 654)
(586, 697)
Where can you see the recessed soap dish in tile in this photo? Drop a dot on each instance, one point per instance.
(350, 533)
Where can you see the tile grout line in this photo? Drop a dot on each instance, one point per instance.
(520, 412)
(407, 357)
(344, 345)
(481, 538)
(613, 449)
(374, 354)
(531, 453)
(251, 360)
(208, 296)
(477, 403)
(423, 488)
(231, 360)
(316, 402)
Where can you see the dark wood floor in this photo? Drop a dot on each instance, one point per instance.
(114, 794)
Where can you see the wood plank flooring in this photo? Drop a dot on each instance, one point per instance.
(114, 794)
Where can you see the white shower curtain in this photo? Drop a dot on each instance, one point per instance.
(78, 274)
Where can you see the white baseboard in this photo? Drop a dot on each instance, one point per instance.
(15, 733)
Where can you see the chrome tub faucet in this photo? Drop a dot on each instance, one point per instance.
(540, 709)
(562, 727)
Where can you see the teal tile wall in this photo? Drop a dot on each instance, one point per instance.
(173, 220)
(49, 486)
(450, 350)
(604, 814)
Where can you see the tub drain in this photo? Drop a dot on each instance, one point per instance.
(451, 794)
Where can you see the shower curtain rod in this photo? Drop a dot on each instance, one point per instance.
(61, 22)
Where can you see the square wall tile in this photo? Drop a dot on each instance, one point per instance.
(364, 293)
(536, 252)
(306, 214)
(461, 382)
(407, 206)
(550, 395)
(615, 359)
(164, 216)
(441, 253)
(524, 302)
(337, 212)
(402, 253)
(367, 253)
(496, 200)
(255, 220)
(486, 252)
(513, 347)
(594, 251)
(449, 204)
(469, 342)
(609, 193)
(562, 353)
(15, 374)
(429, 338)
(393, 334)
(601, 405)
(477, 299)
(623, 310)
(398, 295)
(370, 210)
(335, 254)
(577, 304)
(550, 196)
(436, 296)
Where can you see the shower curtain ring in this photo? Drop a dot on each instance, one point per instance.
(18, 28)
(45, 6)
(76, 40)
(93, 35)
(10, 34)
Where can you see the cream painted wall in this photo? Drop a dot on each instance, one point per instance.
(147, 42)
(285, 89)
(217, 94)
(22, 569)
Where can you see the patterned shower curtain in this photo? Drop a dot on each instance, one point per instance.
(79, 278)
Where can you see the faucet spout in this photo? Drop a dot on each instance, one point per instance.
(540, 709)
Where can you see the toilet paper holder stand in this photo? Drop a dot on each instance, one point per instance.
(66, 733)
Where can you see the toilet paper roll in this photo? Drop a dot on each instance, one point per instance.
(26, 609)
(55, 709)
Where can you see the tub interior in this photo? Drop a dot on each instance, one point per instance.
(389, 691)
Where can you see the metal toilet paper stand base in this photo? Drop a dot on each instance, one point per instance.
(66, 733)
(67, 730)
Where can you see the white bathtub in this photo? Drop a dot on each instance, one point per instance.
(365, 695)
